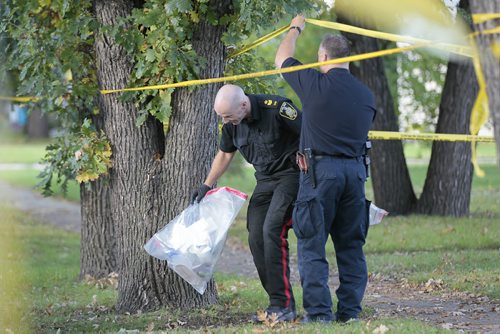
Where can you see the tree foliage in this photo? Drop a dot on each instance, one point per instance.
(49, 49)
(163, 51)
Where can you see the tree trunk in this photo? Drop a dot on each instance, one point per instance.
(449, 176)
(191, 144)
(134, 149)
(98, 239)
(391, 181)
(146, 191)
(38, 124)
(489, 62)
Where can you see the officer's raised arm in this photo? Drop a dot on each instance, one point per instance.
(287, 46)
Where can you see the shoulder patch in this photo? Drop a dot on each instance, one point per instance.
(287, 110)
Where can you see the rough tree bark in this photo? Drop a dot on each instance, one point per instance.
(448, 183)
(391, 181)
(134, 149)
(447, 187)
(98, 239)
(489, 62)
(190, 146)
(153, 175)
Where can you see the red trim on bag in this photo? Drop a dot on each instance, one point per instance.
(284, 229)
(228, 189)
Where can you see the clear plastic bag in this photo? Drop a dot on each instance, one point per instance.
(193, 241)
(376, 214)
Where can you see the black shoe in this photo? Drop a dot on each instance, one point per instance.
(318, 319)
(275, 313)
(281, 313)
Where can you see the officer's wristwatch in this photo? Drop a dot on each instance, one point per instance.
(295, 27)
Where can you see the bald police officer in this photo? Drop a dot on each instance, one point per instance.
(338, 111)
(265, 130)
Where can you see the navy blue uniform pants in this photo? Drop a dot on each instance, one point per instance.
(268, 221)
(336, 207)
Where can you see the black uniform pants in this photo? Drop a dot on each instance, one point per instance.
(268, 221)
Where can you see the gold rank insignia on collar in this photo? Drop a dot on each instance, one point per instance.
(287, 110)
(270, 103)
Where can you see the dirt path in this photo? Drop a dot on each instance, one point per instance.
(389, 297)
(58, 212)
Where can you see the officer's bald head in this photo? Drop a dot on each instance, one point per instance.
(231, 104)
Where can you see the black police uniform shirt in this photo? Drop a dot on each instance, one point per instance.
(337, 108)
(268, 139)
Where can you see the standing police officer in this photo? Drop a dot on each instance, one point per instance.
(338, 111)
(265, 129)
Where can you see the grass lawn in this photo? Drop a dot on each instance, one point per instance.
(40, 293)
(422, 150)
(31, 153)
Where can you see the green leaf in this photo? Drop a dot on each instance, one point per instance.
(141, 118)
(150, 55)
(182, 6)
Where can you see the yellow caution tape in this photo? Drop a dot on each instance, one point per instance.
(483, 17)
(390, 135)
(260, 41)
(480, 111)
(264, 73)
(463, 50)
(22, 99)
(269, 72)
(495, 48)
(491, 31)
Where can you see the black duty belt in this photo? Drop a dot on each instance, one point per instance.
(335, 156)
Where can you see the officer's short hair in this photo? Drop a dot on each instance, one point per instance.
(336, 46)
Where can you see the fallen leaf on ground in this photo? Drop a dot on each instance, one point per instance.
(447, 325)
(381, 329)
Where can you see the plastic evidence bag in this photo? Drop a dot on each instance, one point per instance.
(193, 241)
(376, 214)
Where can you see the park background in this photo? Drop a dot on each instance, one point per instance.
(449, 257)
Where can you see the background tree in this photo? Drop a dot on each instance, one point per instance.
(38, 124)
(448, 182)
(489, 61)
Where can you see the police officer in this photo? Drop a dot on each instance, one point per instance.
(265, 130)
(338, 111)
